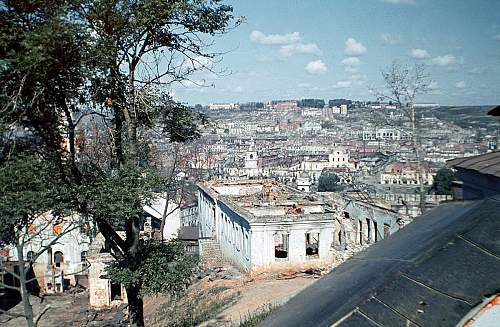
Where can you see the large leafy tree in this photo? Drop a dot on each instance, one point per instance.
(65, 63)
(329, 182)
(442, 181)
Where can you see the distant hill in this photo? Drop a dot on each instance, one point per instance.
(467, 116)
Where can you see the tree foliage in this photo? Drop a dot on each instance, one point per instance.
(164, 268)
(110, 62)
(329, 182)
(442, 181)
(29, 188)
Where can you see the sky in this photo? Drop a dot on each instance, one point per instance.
(293, 49)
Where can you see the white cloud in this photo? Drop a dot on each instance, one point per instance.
(238, 89)
(419, 54)
(316, 67)
(342, 84)
(357, 77)
(434, 88)
(445, 60)
(460, 84)
(433, 85)
(400, 2)
(477, 70)
(309, 48)
(390, 39)
(351, 70)
(279, 39)
(354, 48)
(351, 61)
(197, 63)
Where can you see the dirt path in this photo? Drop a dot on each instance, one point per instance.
(258, 293)
(255, 295)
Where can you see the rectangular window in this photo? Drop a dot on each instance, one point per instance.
(368, 230)
(281, 246)
(248, 245)
(360, 230)
(312, 245)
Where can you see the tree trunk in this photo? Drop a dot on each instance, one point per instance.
(416, 147)
(135, 307)
(25, 296)
(135, 303)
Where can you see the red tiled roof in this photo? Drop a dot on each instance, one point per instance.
(488, 163)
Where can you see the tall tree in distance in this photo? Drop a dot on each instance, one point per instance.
(403, 84)
(329, 182)
(442, 181)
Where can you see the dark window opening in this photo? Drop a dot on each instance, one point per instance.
(281, 246)
(116, 291)
(360, 231)
(58, 258)
(312, 244)
(30, 255)
(369, 229)
(375, 227)
(83, 259)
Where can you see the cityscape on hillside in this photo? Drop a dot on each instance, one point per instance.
(223, 163)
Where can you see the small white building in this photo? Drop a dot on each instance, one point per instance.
(173, 219)
(304, 183)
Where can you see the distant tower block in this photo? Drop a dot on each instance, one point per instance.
(251, 159)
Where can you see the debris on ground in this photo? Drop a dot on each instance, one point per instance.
(221, 272)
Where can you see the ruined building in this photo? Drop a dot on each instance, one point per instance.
(264, 224)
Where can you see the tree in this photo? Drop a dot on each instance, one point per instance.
(32, 199)
(65, 62)
(442, 181)
(403, 84)
(329, 182)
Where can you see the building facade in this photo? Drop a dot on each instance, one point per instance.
(262, 224)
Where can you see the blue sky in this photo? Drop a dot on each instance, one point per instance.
(292, 49)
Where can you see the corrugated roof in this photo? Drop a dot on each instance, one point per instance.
(488, 163)
(431, 273)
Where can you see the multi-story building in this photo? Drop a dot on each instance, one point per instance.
(406, 174)
(58, 250)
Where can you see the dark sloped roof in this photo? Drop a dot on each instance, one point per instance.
(495, 111)
(431, 273)
(488, 163)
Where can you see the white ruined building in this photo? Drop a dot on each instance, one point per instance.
(58, 250)
(264, 224)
